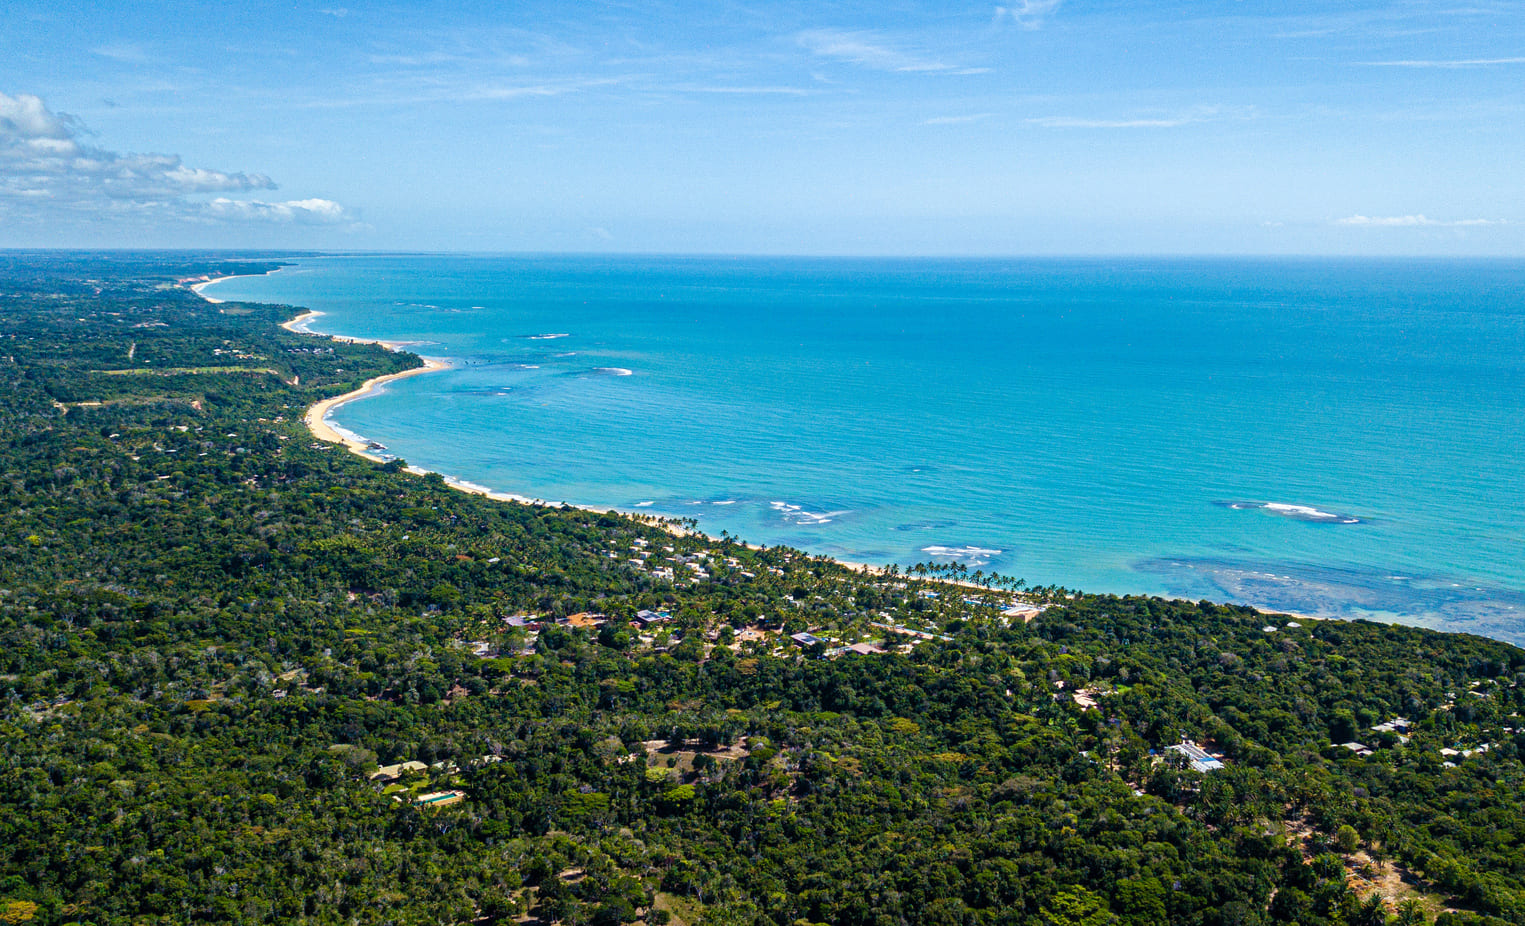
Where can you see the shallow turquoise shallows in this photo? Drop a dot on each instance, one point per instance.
(1338, 438)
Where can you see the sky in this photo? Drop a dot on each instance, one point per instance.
(1035, 127)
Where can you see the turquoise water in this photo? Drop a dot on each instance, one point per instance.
(1109, 425)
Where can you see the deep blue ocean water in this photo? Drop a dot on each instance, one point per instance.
(1334, 437)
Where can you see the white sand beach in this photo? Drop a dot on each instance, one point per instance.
(323, 431)
(197, 284)
(316, 420)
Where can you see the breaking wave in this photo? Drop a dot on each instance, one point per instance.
(1296, 512)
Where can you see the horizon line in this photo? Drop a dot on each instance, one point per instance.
(757, 255)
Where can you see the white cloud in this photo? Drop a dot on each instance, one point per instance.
(1457, 64)
(25, 117)
(1413, 221)
(46, 170)
(300, 211)
(871, 51)
(1029, 14)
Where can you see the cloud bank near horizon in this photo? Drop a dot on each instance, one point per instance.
(48, 172)
(1414, 221)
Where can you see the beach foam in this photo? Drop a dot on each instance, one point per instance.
(969, 554)
(747, 392)
(346, 433)
(1296, 512)
(796, 514)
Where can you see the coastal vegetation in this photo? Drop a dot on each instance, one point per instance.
(247, 677)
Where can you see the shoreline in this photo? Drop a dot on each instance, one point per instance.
(316, 415)
(315, 419)
(206, 280)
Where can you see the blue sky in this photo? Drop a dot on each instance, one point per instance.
(1034, 127)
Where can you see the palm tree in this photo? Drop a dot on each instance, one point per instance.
(1373, 911)
(1411, 913)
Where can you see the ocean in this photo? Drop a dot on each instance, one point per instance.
(1337, 438)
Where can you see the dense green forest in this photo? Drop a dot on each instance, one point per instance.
(220, 640)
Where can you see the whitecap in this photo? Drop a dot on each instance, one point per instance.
(796, 514)
(969, 553)
(1296, 512)
(644, 504)
(613, 371)
(546, 337)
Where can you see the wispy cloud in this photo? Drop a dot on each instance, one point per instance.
(1380, 20)
(46, 171)
(871, 51)
(1413, 221)
(448, 91)
(1162, 121)
(1029, 14)
(957, 120)
(122, 53)
(754, 91)
(1458, 64)
(1072, 122)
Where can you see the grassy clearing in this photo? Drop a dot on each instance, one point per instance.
(182, 371)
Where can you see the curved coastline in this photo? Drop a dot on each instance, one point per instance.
(315, 418)
(198, 284)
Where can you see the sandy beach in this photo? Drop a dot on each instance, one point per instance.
(296, 325)
(316, 420)
(197, 284)
(322, 430)
(316, 415)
